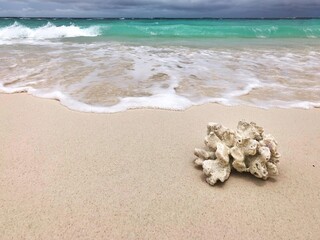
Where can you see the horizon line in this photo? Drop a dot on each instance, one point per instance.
(159, 18)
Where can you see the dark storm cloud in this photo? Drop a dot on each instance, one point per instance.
(161, 8)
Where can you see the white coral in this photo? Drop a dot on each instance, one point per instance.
(247, 149)
(215, 171)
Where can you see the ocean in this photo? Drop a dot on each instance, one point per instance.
(111, 65)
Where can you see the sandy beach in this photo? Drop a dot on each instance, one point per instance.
(130, 175)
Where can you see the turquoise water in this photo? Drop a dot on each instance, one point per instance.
(111, 65)
(180, 28)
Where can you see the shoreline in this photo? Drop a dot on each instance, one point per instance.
(86, 106)
(129, 175)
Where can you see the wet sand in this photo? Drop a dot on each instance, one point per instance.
(73, 175)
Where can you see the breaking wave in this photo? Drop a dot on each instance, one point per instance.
(18, 31)
(29, 29)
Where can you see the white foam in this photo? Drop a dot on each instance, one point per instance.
(312, 33)
(163, 77)
(283, 104)
(17, 31)
(158, 101)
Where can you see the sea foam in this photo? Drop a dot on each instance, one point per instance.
(49, 31)
(112, 77)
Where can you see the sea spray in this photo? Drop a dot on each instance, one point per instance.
(48, 31)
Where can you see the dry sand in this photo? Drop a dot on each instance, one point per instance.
(71, 175)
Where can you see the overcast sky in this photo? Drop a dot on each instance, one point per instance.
(160, 8)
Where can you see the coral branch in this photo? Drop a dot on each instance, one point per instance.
(247, 149)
